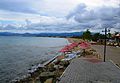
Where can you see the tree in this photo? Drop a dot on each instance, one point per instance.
(96, 36)
(109, 35)
(87, 35)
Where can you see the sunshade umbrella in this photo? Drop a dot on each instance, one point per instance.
(64, 50)
(67, 48)
(84, 45)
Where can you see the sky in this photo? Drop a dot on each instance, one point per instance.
(59, 15)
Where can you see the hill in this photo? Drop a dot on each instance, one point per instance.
(71, 34)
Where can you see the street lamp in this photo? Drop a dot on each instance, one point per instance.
(115, 17)
(105, 40)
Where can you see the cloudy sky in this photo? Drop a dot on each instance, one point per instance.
(59, 15)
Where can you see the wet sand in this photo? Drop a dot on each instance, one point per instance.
(112, 53)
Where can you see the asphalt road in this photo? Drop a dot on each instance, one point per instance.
(112, 53)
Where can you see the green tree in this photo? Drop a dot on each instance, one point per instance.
(109, 35)
(96, 36)
(102, 36)
(87, 35)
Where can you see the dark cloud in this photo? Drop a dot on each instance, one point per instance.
(81, 8)
(16, 6)
(103, 16)
(117, 25)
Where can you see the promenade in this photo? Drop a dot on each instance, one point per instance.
(91, 71)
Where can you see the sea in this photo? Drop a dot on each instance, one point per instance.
(18, 54)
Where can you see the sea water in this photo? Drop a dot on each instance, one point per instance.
(18, 54)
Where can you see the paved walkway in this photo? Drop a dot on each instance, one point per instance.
(113, 53)
(90, 71)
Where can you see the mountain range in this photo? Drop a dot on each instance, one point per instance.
(70, 34)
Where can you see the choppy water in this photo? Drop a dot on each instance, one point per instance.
(18, 54)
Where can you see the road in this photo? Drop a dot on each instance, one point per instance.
(112, 53)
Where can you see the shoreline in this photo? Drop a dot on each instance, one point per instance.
(70, 40)
(34, 75)
(42, 64)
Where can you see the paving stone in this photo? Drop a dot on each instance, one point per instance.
(86, 71)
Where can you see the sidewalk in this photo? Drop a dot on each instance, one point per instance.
(91, 71)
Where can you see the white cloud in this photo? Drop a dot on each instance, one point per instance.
(50, 15)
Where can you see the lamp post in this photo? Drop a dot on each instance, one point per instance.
(115, 17)
(105, 40)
